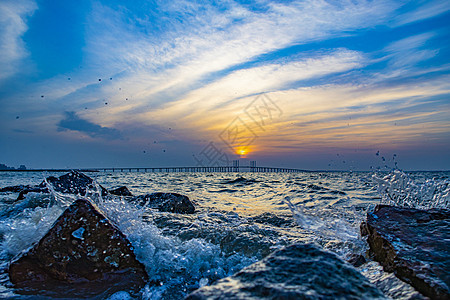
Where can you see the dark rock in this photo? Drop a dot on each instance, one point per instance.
(240, 180)
(168, 202)
(272, 219)
(36, 189)
(414, 244)
(15, 189)
(82, 255)
(356, 260)
(121, 191)
(23, 190)
(295, 272)
(73, 183)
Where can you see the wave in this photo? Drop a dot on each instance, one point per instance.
(399, 189)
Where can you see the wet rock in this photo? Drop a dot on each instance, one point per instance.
(356, 260)
(240, 180)
(23, 190)
(15, 189)
(36, 189)
(298, 271)
(82, 255)
(73, 183)
(121, 191)
(275, 220)
(167, 202)
(414, 244)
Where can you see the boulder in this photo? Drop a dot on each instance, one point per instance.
(414, 245)
(15, 189)
(121, 191)
(167, 202)
(35, 189)
(73, 183)
(299, 271)
(82, 255)
(356, 260)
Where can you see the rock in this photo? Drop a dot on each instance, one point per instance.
(167, 202)
(23, 189)
(82, 255)
(15, 189)
(121, 191)
(356, 260)
(240, 180)
(272, 219)
(414, 244)
(298, 271)
(36, 189)
(73, 183)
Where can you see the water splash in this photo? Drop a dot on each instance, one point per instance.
(399, 189)
(175, 266)
(332, 233)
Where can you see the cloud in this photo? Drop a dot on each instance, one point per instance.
(224, 97)
(422, 12)
(13, 25)
(405, 55)
(191, 48)
(75, 123)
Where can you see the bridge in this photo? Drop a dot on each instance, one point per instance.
(204, 169)
(196, 169)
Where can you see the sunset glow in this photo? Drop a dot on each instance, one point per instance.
(294, 82)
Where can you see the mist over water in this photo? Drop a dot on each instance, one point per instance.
(239, 219)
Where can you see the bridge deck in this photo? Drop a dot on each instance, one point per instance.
(174, 169)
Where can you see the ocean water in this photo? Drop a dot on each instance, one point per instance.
(239, 219)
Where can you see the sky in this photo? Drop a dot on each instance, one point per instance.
(317, 85)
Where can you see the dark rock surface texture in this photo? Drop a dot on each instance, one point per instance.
(299, 271)
(167, 202)
(121, 191)
(82, 255)
(414, 244)
(73, 183)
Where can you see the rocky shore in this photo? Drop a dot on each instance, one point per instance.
(85, 255)
(413, 244)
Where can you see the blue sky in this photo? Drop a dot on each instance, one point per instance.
(306, 84)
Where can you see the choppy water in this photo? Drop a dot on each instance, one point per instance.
(239, 219)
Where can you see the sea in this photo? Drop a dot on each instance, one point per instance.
(240, 218)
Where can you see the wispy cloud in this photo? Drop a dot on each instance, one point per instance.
(225, 96)
(186, 52)
(424, 10)
(13, 25)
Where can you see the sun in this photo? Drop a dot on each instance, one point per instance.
(242, 152)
